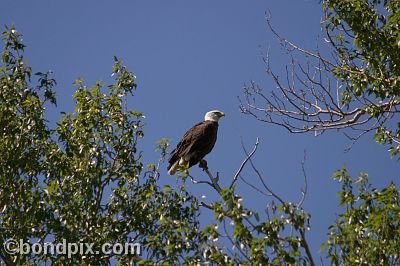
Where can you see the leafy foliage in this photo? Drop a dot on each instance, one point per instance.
(277, 238)
(83, 181)
(368, 232)
(365, 35)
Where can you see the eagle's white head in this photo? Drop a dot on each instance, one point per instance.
(214, 115)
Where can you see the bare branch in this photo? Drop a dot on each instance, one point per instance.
(310, 98)
(304, 190)
(254, 187)
(214, 180)
(203, 204)
(261, 178)
(290, 45)
(194, 181)
(244, 162)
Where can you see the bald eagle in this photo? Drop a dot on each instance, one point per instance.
(197, 142)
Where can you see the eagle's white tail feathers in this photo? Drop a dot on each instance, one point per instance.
(175, 166)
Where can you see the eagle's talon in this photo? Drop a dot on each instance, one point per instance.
(203, 164)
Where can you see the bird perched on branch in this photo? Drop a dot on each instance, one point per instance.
(197, 142)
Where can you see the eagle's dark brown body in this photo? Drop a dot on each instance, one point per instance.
(195, 144)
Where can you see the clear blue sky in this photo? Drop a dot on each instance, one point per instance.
(190, 57)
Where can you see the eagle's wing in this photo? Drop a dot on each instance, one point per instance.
(196, 143)
(184, 144)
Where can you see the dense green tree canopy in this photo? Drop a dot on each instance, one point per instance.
(83, 181)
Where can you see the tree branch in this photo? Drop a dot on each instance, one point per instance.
(248, 157)
(312, 97)
(214, 180)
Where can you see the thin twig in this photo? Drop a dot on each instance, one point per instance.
(194, 181)
(304, 190)
(254, 187)
(248, 157)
